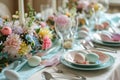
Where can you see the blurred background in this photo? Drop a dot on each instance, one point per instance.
(10, 6)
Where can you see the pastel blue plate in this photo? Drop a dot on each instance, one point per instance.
(69, 57)
(105, 43)
(96, 39)
(110, 62)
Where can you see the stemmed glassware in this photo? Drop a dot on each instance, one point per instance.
(63, 29)
(46, 9)
(100, 7)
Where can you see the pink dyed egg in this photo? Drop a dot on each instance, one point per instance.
(79, 58)
(105, 37)
(105, 24)
(116, 37)
(6, 30)
(99, 27)
(84, 28)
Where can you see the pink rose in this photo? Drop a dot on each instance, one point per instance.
(43, 24)
(47, 43)
(6, 30)
(62, 20)
(52, 17)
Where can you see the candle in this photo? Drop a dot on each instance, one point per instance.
(54, 5)
(21, 12)
(64, 3)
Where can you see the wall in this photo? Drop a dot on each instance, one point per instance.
(13, 4)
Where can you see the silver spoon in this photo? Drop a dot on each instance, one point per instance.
(48, 76)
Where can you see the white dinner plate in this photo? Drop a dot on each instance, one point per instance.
(97, 39)
(110, 62)
(69, 56)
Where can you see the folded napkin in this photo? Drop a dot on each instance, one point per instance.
(25, 71)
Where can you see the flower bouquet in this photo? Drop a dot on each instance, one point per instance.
(18, 41)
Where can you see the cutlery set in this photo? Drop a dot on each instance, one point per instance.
(48, 76)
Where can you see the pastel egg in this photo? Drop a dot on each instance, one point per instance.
(92, 57)
(11, 75)
(84, 28)
(34, 61)
(82, 34)
(105, 37)
(67, 44)
(105, 24)
(99, 27)
(116, 37)
(79, 58)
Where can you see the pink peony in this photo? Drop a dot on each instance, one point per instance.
(6, 30)
(62, 20)
(47, 43)
(43, 24)
(12, 44)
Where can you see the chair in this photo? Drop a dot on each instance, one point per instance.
(4, 11)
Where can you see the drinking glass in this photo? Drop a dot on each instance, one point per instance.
(103, 6)
(66, 35)
(46, 10)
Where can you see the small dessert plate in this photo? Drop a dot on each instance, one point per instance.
(77, 58)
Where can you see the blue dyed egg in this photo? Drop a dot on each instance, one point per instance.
(92, 57)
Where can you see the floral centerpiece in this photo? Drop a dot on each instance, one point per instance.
(85, 9)
(17, 41)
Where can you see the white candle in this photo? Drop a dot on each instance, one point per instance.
(54, 5)
(21, 12)
(64, 2)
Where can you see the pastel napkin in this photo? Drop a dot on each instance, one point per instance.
(25, 71)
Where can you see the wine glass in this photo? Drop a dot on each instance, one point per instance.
(100, 8)
(63, 29)
(46, 10)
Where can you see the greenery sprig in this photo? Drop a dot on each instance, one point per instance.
(31, 15)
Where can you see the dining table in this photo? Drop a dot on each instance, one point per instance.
(110, 73)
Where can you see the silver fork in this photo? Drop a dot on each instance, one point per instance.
(89, 45)
(48, 76)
